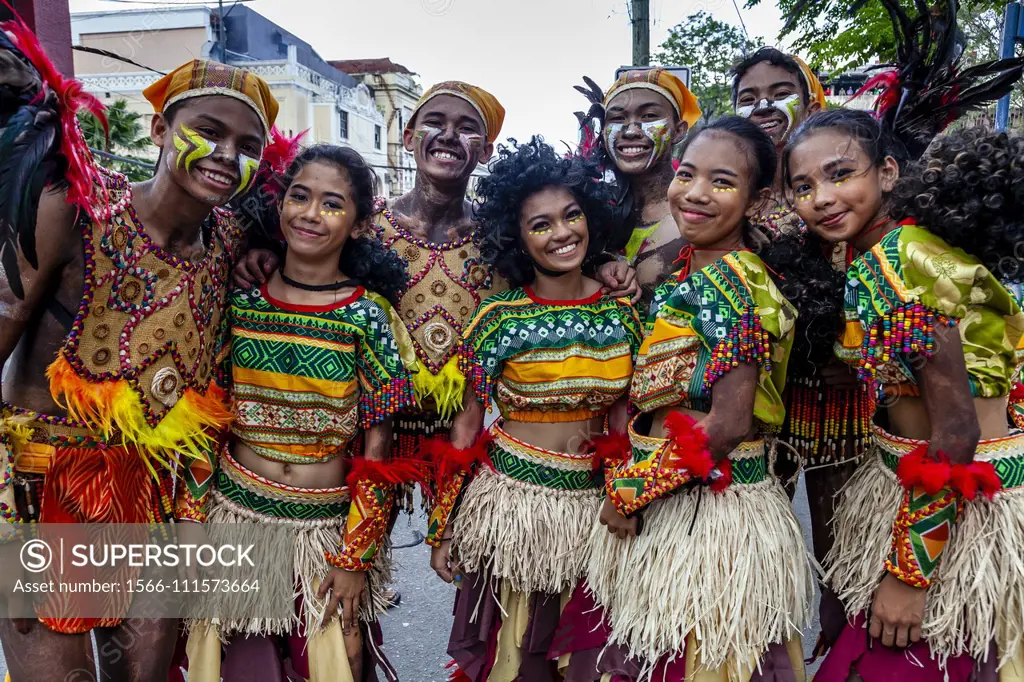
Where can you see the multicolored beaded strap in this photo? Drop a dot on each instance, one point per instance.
(473, 370)
(746, 342)
(11, 521)
(909, 329)
(368, 517)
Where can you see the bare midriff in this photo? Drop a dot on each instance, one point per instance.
(908, 418)
(329, 474)
(557, 437)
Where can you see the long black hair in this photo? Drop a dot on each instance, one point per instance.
(969, 190)
(519, 171)
(364, 259)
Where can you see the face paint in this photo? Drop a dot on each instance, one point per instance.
(191, 147)
(537, 233)
(576, 219)
(424, 136)
(790, 107)
(471, 143)
(332, 214)
(719, 190)
(655, 131)
(247, 167)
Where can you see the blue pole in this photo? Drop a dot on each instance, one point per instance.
(1006, 50)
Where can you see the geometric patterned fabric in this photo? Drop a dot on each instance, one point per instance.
(551, 360)
(278, 500)
(529, 464)
(306, 379)
(729, 312)
(905, 289)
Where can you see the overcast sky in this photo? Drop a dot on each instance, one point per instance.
(528, 53)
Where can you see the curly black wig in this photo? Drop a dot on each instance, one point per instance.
(364, 259)
(519, 171)
(770, 55)
(969, 190)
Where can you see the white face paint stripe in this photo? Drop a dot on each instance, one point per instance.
(655, 131)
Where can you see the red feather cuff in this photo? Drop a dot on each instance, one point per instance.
(449, 461)
(932, 475)
(610, 449)
(392, 472)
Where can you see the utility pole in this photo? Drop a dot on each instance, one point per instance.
(1011, 35)
(641, 15)
(221, 33)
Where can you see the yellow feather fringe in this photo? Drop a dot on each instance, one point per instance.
(188, 428)
(445, 388)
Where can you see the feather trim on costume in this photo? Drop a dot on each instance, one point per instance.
(450, 461)
(610, 449)
(188, 428)
(391, 472)
(445, 389)
(691, 444)
(919, 469)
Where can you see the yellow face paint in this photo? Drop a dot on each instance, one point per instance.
(191, 147)
(719, 190)
(332, 214)
(247, 167)
(573, 221)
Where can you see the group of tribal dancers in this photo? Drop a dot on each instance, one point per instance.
(672, 323)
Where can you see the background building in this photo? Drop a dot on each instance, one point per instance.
(332, 105)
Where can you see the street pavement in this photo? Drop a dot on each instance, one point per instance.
(416, 631)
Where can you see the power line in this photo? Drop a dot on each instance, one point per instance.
(740, 15)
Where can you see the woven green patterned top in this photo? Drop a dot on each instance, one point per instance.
(727, 313)
(305, 379)
(551, 360)
(907, 288)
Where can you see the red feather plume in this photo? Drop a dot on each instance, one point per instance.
(890, 95)
(86, 187)
(282, 150)
(970, 479)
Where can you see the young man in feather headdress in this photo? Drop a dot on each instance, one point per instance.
(110, 305)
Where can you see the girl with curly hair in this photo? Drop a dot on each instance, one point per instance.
(698, 568)
(935, 507)
(315, 377)
(556, 356)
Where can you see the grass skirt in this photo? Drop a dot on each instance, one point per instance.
(527, 521)
(978, 594)
(738, 579)
(317, 516)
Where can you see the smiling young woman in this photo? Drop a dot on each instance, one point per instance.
(556, 355)
(696, 498)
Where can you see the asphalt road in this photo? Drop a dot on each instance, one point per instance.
(416, 631)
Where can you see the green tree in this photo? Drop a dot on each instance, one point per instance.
(709, 47)
(829, 38)
(127, 139)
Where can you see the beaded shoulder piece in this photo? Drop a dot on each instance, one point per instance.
(906, 289)
(447, 282)
(138, 363)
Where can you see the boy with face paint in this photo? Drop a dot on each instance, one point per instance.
(778, 92)
(113, 415)
(646, 114)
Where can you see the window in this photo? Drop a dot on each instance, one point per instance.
(343, 128)
(401, 121)
(376, 137)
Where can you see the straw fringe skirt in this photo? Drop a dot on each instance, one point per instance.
(738, 581)
(978, 595)
(527, 521)
(318, 517)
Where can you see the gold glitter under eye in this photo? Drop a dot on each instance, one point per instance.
(575, 219)
(541, 231)
(683, 181)
(839, 183)
(803, 197)
(332, 214)
(718, 190)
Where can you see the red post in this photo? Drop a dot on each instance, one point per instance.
(51, 22)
